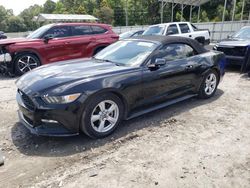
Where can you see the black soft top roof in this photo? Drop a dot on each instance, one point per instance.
(173, 39)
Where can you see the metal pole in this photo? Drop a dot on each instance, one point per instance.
(161, 11)
(126, 12)
(235, 1)
(190, 15)
(172, 14)
(199, 11)
(242, 11)
(223, 18)
(181, 12)
(249, 17)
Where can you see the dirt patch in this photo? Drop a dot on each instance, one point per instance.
(196, 143)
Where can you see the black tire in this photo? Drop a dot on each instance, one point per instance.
(31, 60)
(203, 90)
(92, 105)
(201, 40)
(98, 50)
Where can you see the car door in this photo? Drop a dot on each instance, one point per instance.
(185, 30)
(56, 49)
(175, 78)
(82, 37)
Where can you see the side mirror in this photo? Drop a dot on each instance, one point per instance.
(46, 38)
(157, 63)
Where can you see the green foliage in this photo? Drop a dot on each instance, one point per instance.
(15, 24)
(49, 6)
(140, 12)
(105, 14)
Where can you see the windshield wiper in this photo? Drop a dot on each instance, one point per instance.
(109, 61)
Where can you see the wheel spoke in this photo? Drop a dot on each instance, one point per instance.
(94, 118)
(102, 106)
(23, 68)
(101, 126)
(28, 59)
(111, 108)
(20, 61)
(111, 120)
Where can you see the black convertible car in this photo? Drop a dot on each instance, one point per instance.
(128, 78)
(237, 48)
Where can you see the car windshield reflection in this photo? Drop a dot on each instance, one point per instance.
(127, 52)
(244, 33)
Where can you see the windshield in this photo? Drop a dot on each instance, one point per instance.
(126, 35)
(37, 33)
(154, 30)
(244, 33)
(127, 53)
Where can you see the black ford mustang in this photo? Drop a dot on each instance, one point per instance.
(237, 48)
(125, 80)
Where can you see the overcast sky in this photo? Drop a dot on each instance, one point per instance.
(19, 5)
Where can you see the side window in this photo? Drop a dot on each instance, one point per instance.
(81, 30)
(184, 28)
(172, 30)
(173, 52)
(98, 30)
(58, 32)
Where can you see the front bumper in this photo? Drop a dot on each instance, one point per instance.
(235, 60)
(46, 122)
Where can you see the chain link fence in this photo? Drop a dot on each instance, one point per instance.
(218, 30)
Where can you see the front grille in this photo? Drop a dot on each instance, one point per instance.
(233, 51)
(27, 101)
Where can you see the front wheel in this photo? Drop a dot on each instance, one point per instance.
(102, 115)
(26, 62)
(209, 85)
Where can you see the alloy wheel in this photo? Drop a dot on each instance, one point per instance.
(27, 63)
(104, 116)
(211, 82)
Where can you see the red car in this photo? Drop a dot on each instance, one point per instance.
(52, 43)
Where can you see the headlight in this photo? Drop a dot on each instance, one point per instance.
(60, 99)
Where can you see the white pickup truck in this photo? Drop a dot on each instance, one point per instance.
(184, 29)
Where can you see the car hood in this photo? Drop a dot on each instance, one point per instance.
(234, 42)
(4, 42)
(59, 77)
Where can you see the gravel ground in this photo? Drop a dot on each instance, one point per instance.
(196, 143)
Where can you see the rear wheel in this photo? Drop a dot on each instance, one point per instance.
(209, 85)
(98, 50)
(26, 62)
(102, 115)
(201, 40)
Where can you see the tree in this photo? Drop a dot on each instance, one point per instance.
(28, 14)
(81, 10)
(4, 15)
(105, 14)
(49, 7)
(60, 8)
(15, 24)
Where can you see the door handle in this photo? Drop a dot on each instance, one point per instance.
(190, 36)
(189, 67)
